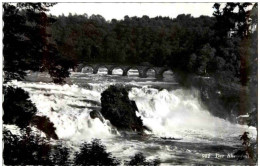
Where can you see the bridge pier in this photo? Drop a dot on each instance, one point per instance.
(109, 72)
(159, 76)
(125, 72)
(79, 67)
(95, 69)
(110, 69)
(159, 72)
(144, 75)
(142, 72)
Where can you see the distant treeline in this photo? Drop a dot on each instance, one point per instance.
(223, 45)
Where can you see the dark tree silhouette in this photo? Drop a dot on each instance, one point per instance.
(28, 149)
(26, 42)
(139, 159)
(17, 107)
(60, 155)
(94, 153)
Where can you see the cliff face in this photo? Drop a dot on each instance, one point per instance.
(227, 100)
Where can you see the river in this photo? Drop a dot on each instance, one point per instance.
(164, 106)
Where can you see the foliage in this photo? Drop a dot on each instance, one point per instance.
(27, 43)
(94, 153)
(132, 40)
(28, 149)
(205, 45)
(235, 38)
(202, 46)
(139, 159)
(31, 149)
(60, 155)
(17, 107)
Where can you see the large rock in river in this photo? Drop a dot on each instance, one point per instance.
(120, 110)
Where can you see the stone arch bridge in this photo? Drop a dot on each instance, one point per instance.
(142, 69)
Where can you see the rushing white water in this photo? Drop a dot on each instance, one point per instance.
(56, 102)
(179, 113)
(171, 113)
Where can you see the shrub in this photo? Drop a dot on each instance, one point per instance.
(139, 159)
(60, 155)
(94, 153)
(18, 108)
(28, 149)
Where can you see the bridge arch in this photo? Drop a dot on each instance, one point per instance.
(115, 71)
(87, 69)
(167, 72)
(79, 67)
(97, 69)
(132, 70)
(150, 72)
(160, 72)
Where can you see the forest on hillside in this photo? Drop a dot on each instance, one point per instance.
(224, 45)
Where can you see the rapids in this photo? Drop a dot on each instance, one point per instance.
(167, 109)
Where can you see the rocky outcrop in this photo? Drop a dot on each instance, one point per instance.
(120, 110)
(44, 124)
(225, 100)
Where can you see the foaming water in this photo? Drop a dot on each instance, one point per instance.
(67, 107)
(169, 112)
(180, 114)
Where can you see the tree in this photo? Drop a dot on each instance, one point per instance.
(60, 154)
(17, 107)
(206, 55)
(26, 42)
(233, 37)
(27, 149)
(139, 159)
(229, 21)
(94, 153)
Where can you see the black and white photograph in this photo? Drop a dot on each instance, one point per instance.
(129, 83)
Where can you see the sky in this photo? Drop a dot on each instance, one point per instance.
(119, 10)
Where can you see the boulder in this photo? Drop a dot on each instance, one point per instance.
(120, 110)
